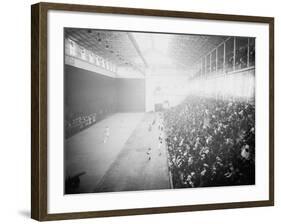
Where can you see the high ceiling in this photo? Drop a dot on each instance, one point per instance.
(145, 50)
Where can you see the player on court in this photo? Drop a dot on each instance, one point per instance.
(149, 153)
(106, 134)
(159, 147)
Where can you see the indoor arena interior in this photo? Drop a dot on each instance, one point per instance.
(154, 111)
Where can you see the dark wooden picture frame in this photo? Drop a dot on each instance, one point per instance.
(39, 106)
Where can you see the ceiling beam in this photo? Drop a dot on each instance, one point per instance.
(132, 39)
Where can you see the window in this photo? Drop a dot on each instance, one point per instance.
(220, 58)
(241, 53)
(91, 58)
(112, 68)
(107, 65)
(83, 53)
(208, 64)
(213, 61)
(229, 54)
(251, 51)
(97, 60)
(203, 66)
(102, 62)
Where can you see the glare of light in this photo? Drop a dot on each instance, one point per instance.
(154, 48)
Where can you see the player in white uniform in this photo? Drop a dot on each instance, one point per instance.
(106, 134)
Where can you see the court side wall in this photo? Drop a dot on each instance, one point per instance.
(130, 95)
(88, 92)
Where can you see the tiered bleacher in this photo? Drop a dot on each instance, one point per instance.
(78, 122)
(211, 142)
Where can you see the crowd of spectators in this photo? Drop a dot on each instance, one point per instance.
(211, 142)
(77, 122)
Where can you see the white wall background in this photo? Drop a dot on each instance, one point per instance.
(15, 111)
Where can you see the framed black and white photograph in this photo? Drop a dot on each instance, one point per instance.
(138, 111)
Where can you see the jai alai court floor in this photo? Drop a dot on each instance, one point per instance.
(122, 163)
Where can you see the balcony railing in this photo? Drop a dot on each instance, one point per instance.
(232, 55)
